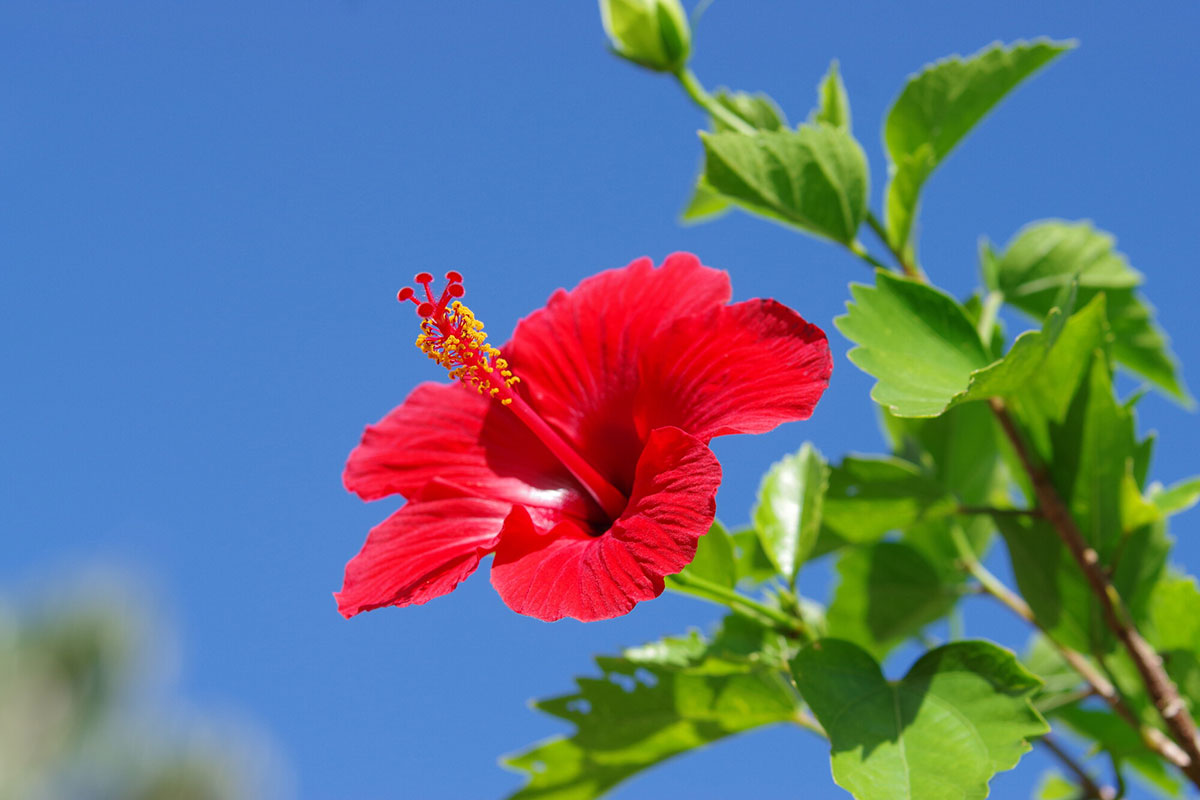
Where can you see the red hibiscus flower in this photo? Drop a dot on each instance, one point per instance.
(578, 453)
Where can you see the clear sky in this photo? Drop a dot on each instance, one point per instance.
(207, 209)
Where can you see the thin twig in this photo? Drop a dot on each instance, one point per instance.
(1091, 790)
(871, 261)
(700, 96)
(1161, 688)
(1101, 686)
(909, 268)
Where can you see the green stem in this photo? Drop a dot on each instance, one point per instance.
(857, 249)
(987, 318)
(733, 599)
(908, 268)
(701, 97)
(956, 630)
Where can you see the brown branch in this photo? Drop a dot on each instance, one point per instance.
(1091, 790)
(1161, 688)
(1100, 685)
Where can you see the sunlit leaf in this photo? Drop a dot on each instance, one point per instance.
(788, 513)
(753, 563)
(814, 178)
(704, 204)
(1175, 614)
(915, 340)
(715, 563)
(927, 356)
(647, 706)
(937, 108)
(1048, 254)
(960, 715)
(833, 104)
(756, 109)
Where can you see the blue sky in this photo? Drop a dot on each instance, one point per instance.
(208, 209)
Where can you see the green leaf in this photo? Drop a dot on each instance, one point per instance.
(1060, 681)
(788, 513)
(715, 562)
(1092, 460)
(1050, 254)
(814, 178)
(959, 449)
(756, 109)
(1183, 667)
(753, 563)
(653, 703)
(1046, 255)
(1091, 456)
(937, 108)
(746, 644)
(1175, 614)
(886, 592)
(959, 716)
(704, 204)
(1061, 599)
(927, 356)
(833, 105)
(1047, 392)
(1143, 347)
(915, 340)
(670, 651)
(869, 496)
(1054, 786)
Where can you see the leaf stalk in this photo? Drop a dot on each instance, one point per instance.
(790, 625)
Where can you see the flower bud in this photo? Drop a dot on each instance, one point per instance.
(651, 33)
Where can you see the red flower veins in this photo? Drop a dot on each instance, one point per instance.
(578, 453)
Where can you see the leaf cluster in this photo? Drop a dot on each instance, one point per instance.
(1021, 448)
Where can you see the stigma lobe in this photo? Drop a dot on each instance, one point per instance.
(455, 339)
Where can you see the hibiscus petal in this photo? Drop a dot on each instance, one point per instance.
(449, 432)
(422, 551)
(577, 357)
(743, 368)
(565, 572)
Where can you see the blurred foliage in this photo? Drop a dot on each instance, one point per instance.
(74, 723)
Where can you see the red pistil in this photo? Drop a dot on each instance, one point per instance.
(451, 336)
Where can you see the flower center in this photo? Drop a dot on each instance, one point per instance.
(454, 338)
